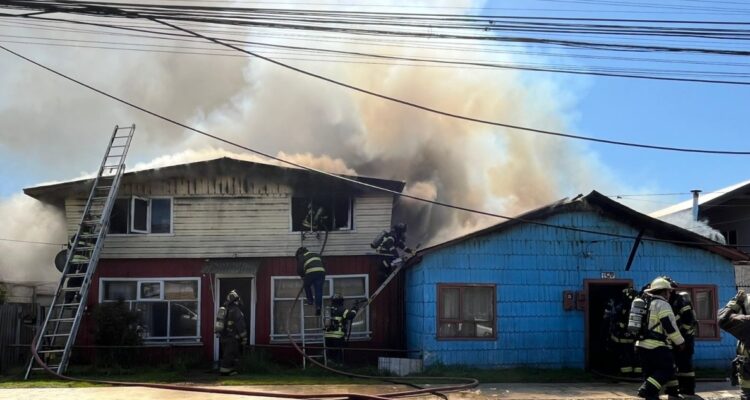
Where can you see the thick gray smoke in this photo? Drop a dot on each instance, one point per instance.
(61, 129)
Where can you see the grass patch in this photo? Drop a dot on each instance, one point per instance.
(511, 375)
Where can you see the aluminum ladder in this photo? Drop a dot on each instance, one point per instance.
(313, 337)
(55, 340)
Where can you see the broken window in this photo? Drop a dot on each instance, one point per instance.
(466, 312)
(137, 215)
(321, 213)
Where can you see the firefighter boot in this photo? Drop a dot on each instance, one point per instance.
(687, 384)
(648, 390)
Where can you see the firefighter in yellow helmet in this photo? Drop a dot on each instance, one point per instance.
(337, 329)
(655, 348)
(232, 331)
(735, 319)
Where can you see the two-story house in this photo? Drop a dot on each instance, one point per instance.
(181, 237)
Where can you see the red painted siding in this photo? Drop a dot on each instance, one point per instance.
(386, 312)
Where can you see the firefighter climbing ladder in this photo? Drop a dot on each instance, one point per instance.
(58, 334)
(313, 338)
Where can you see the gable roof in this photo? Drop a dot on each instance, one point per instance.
(602, 204)
(736, 191)
(223, 165)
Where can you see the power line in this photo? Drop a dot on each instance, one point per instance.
(32, 242)
(446, 113)
(350, 180)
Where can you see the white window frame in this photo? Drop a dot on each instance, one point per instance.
(355, 336)
(131, 217)
(162, 281)
(133, 200)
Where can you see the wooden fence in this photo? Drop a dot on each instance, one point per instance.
(16, 333)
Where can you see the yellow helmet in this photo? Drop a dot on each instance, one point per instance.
(659, 284)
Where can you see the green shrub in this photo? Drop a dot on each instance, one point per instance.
(115, 325)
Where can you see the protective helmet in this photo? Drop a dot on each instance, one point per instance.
(659, 284)
(300, 251)
(671, 281)
(400, 227)
(337, 299)
(232, 297)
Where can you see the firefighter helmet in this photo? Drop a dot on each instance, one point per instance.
(659, 284)
(232, 297)
(337, 299)
(300, 251)
(400, 227)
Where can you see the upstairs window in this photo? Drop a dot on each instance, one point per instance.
(138, 215)
(321, 213)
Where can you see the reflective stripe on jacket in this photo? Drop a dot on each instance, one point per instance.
(662, 327)
(310, 262)
(684, 315)
(337, 327)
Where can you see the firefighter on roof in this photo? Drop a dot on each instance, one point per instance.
(660, 333)
(232, 330)
(313, 273)
(337, 329)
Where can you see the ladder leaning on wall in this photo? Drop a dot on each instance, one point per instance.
(55, 340)
(312, 332)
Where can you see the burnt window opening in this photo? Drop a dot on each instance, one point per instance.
(137, 215)
(322, 213)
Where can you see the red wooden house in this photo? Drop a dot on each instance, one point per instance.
(182, 236)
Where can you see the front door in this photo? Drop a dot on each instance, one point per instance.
(244, 287)
(599, 356)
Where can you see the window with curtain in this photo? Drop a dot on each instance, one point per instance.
(168, 309)
(285, 288)
(466, 311)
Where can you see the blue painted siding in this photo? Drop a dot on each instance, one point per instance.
(531, 266)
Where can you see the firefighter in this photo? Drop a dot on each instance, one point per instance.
(232, 331)
(682, 307)
(311, 269)
(734, 319)
(622, 340)
(388, 244)
(655, 348)
(337, 329)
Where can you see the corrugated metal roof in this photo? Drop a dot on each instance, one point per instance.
(705, 200)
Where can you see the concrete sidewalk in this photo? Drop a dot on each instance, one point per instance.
(504, 391)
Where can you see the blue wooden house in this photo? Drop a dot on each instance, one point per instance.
(527, 293)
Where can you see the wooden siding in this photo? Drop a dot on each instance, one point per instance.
(257, 225)
(532, 266)
(386, 312)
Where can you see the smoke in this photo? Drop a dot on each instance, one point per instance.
(61, 129)
(26, 219)
(684, 219)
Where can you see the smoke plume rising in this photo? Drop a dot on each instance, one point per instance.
(62, 129)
